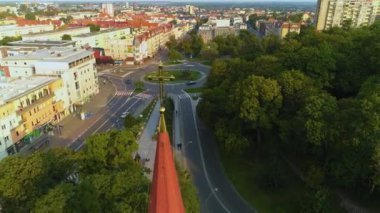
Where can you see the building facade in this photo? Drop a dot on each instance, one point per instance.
(55, 35)
(27, 106)
(75, 66)
(336, 13)
(14, 30)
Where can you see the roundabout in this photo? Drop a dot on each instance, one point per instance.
(174, 76)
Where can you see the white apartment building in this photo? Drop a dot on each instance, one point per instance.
(107, 8)
(56, 34)
(75, 66)
(102, 38)
(121, 49)
(14, 30)
(331, 13)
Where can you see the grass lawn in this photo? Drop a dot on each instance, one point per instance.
(243, 173)
(194, 90)
(179, 75)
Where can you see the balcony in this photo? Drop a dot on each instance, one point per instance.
(35, 103)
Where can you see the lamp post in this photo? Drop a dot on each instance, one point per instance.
(214, 190)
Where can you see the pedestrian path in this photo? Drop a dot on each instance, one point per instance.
(147, 142)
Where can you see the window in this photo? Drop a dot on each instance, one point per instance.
(17, 133)
(6, 138)
(3, 126)
(76, 85)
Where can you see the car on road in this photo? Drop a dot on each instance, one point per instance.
(191, 83)
(124, 115)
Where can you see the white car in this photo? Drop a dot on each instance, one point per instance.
(124, 115)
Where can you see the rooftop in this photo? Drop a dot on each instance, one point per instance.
(11, 89)
(42, 43)
(58, 54)
(98, 33)
(56, 31)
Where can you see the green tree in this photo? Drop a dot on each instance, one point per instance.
(8, 39)
(317, 119)
(66, 37)
(30, 16)
(174, 55)
(94, 28)
(109, 151)
(210, 51)
(259, 100)
(172, 43)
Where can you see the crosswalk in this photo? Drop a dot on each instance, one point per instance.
(183, 96)
(143, 95)
(123, 93)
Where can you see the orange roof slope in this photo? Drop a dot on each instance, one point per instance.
(165, 194)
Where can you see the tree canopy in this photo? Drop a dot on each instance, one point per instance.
(315, 94)
(103, 177)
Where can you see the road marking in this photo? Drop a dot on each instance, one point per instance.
(124, 93)
(203, 160)
(116, 111)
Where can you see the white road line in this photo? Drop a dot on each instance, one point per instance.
(113, 114)
(80, 146)
(203, 160)
(80, 135)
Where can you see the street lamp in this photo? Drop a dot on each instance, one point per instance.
(210, 195)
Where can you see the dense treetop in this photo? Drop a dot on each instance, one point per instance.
(315, 94)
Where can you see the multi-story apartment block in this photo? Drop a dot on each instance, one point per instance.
(14, 30)
(108, 9)
(27, 105)
(121, 49)
(331, 13)
(75, 66)
(101, 39)
(55, 35)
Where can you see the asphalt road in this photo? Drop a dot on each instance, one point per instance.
(110, 117)
(215, 191)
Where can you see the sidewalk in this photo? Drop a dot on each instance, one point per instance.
(72, 125)
(147, 145)
(177, 132)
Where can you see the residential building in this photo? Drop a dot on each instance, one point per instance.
(288, 27)
(190, 9)
(27, 106)
(102, 38)
(55, 35)
(107, 8)
(270, 27)
(43, 44)
(14, 30)
(75, 66)
(122, 49)
(331, 13)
